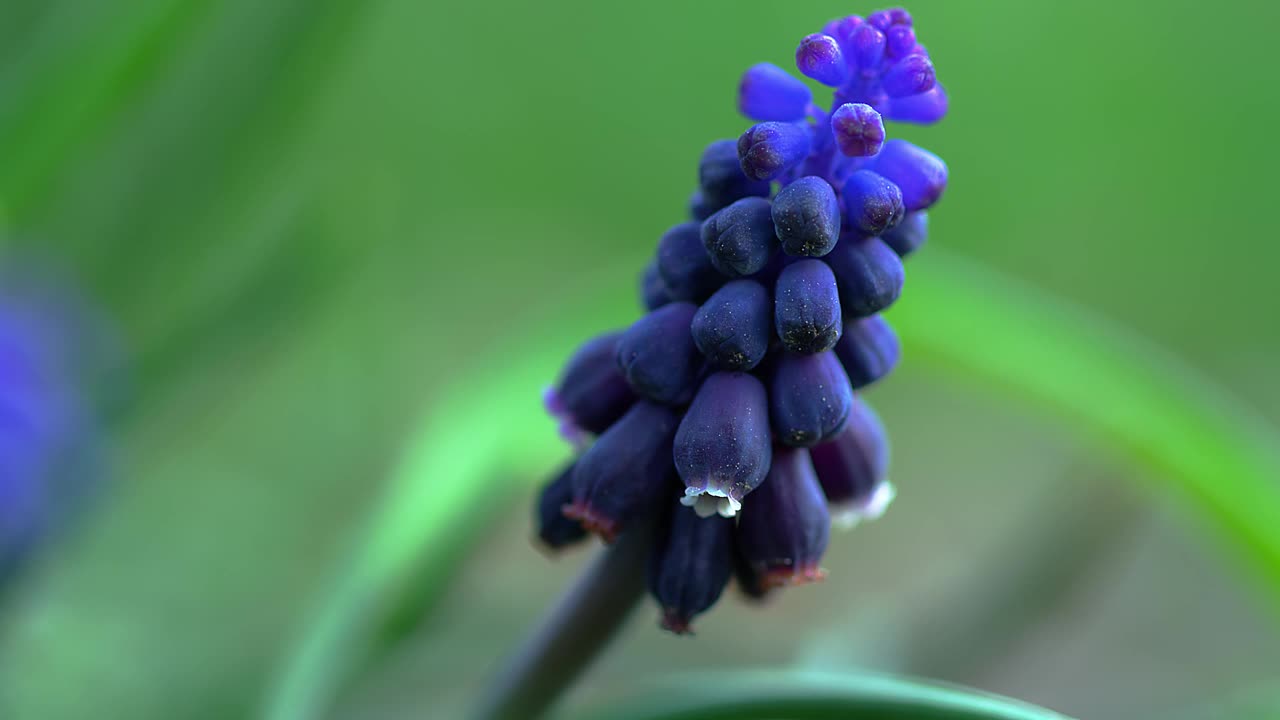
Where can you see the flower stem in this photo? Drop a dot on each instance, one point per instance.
(572, 632)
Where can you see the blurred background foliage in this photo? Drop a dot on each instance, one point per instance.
(310, 220)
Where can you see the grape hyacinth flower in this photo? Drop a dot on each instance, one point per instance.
(52, 348)
(730, 417)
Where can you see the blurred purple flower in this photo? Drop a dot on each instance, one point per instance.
(53, 352)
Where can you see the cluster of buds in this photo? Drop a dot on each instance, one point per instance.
(729, 409)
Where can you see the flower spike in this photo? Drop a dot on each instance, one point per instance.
(763, 318)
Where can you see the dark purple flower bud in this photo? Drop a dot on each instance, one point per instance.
(809, 398)
(554, 529)
(858, 130)
(909, 235)
(867, 44)
(911, 75)
(868, 273)
(784, 532)
(591, 393)
(699, 207)
(767, 92)
(722, 449)
(819, 57)
(806, 217)
(899, 16)
(921, 175)
(807, 307)
(923, 109)
(769, 149)
(881, 19)
(653, 292)
(734, 327)
(873, 204)
(624, 472)
(900, 41)
(750, 583)
(690, 567)
(657, 355)
(739, 239)
(853, 468)
(684, 266)
(721, 180)
(868, 349)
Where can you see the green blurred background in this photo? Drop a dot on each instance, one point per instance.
(312, 219)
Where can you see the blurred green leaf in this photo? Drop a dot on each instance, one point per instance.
(809, 695)
(970, 322)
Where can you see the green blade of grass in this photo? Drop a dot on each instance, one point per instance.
(970, 322)
(810, 695)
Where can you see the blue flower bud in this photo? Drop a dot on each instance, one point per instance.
(722, 449)
(807, 307)
(657, 355)
(873, 204)
(809, 398)
(858, 130)
(806, 217)
(769, 149)
(868, 349)
(554, 529)
(819, 57)
(911, 75)
(767, 92)
(699, 207)
(624, 472)
(880, 19)
(734, 327)
(866, 44)
(921, 175)
(721, 180)
(909, 235)
(690, 567)
(684, 266)
(853, 468)
(739, 239)
(923, 109)
(783, 533)
(900, 41)
(842, 30)
(653, 292)
(868, 273)
(899, 16)
(591, 393)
